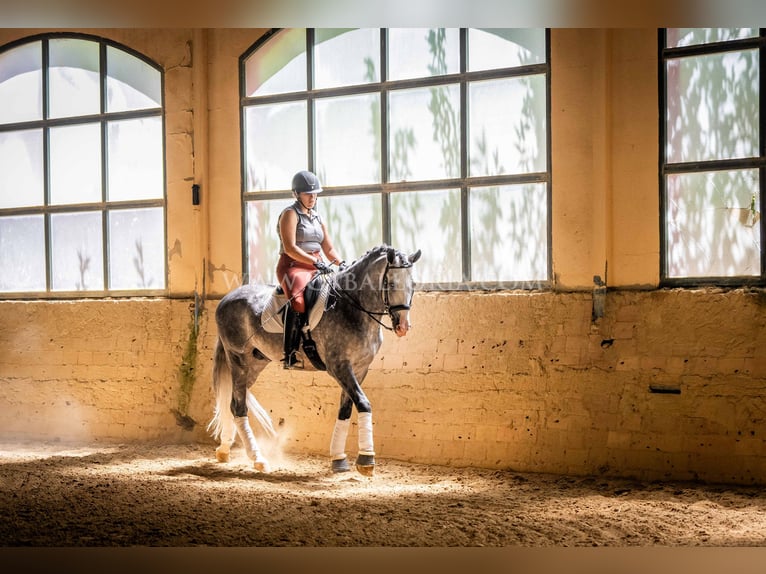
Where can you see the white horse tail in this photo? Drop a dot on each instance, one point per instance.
(260, 414)
(222, 389)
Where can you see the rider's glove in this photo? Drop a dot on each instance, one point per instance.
(342, 265)
(322, 267)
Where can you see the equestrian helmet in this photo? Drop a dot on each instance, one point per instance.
(306, 182)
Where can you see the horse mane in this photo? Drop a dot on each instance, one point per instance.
(368, 257)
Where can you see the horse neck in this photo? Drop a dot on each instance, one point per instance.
(364, 280)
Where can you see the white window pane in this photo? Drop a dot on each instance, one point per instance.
(136, 249)
(424, 133)
(344, 57)
(263, 239)
(509, 233)
(21, 84)
(131, 83)
(430, 221)
(21, 168)
(507, 126)
(279, 66)
(75, 164)
(74, 88)
(678, 37)
(22, 253)
(348, 140)
(77, 252)
(276, 145)
(135, 165)
(491, 48)
(713, 109)
(353, 223)
(713, 224)
(423, 52)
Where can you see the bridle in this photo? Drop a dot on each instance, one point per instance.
(388, 309)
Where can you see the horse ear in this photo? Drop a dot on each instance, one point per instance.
(415, 256)
(391, 254)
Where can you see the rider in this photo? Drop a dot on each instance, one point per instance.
(302, 240)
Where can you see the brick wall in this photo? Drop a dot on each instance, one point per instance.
(666, 385)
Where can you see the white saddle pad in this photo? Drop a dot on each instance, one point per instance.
(271, 318)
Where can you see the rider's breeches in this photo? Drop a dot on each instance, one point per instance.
(293, 276)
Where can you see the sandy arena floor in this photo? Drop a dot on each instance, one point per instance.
(177, 495)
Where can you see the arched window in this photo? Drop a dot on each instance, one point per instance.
(82, 186)
(712, 155)
(433, 139)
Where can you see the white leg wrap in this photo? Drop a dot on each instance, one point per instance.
(248, 439)
(365, 434)
(338, 443)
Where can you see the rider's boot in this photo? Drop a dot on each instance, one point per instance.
(292, 336)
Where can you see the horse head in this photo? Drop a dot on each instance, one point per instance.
(398, 288)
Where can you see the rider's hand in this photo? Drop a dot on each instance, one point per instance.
(342, 265)
(322, 267)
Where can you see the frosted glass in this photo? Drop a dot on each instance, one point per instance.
(423, 52)
(136, 249)
(75, 164)
(279, 66)
(507, 132)
(713, 227)
(263, 239)
(678, 37)
(276, 145)
(348, 140)
(344, 57)
(21, 168)
(22, 253)
(74, 78)
(424, 133)
(430, 221)
(131, 83)
(509, 233)
(77, 252)
(21, 84)
(354, 222)
(492, 48)
(135, 159)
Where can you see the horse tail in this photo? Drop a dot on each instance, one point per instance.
(261, 415)
(223, 387)
(222, 390)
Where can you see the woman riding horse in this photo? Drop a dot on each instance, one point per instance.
(302, 240)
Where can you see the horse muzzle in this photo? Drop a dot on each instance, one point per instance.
(401, 322)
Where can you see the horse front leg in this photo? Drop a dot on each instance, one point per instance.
(365, 460)
(340, 434)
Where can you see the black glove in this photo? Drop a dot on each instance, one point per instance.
(322, 267)
(342, 265)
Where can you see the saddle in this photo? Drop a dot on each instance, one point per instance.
(318, 299)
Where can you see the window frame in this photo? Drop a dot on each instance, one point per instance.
(463, 183)
(666, 168)
(103, 206)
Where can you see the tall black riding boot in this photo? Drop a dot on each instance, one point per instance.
(292, 337)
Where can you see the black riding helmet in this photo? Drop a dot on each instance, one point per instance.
(306, 182)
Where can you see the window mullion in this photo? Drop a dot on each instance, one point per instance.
(46, 168)
(311, 140)
(104, 124)
(385, 197)
(762, 144)
(465, 204)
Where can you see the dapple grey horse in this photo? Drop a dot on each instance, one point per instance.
(347, 337)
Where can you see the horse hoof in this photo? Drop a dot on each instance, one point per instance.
(262, 466)
(222, 456)
(365, 464)
(340, 465)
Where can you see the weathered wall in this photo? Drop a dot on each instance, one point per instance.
(511, 379)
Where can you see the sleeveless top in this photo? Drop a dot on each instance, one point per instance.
(308, 232)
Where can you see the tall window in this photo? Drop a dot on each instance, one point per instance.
(434, 139)
(82, 186)
(712, 157)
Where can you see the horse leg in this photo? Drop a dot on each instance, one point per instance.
(339, 435)
(365, 460)
(239, 410)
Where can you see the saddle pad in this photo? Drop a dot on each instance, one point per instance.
(272, 316)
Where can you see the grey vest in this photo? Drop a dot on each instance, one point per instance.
(308, 233)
